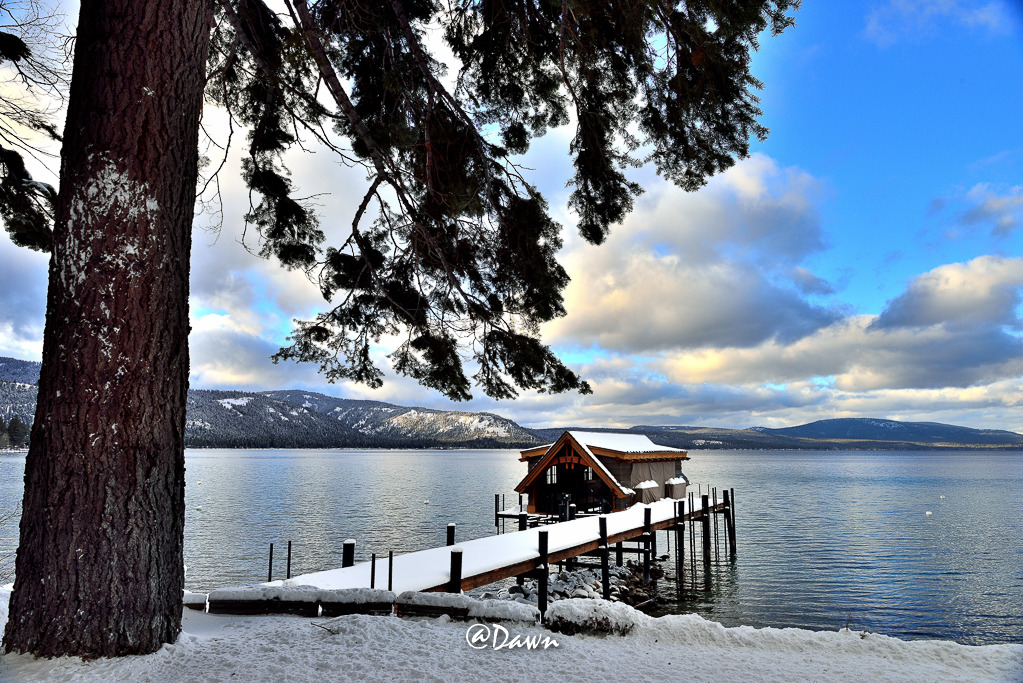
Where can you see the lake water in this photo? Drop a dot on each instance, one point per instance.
(825, 539)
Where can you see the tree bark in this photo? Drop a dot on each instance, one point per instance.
(99, 570)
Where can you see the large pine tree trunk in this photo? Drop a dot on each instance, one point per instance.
(99, 570)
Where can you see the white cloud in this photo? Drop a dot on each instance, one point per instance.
(718, 267)
(23, 276)
(1003, 211)
(21, 342)
(983, 292)
(898, 20)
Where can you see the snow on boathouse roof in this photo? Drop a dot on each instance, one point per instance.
(623, 443)
(633, 444)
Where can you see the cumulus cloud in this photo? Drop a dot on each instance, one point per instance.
(900, 19)
(948, 345)
(1002, 210)
(22, 299)
(808, 283)
(855, 356)
(719, 267)
(983, 293)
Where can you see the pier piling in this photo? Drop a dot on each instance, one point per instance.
(731, 515)
(714, 493)
(605, 570)
(348, 553)
(705, 518)
(270, 569)
(455, 582)
(542, 572)
(646, 558)
(680, 537)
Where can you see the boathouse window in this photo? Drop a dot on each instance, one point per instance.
(552, 475)
(588, 475)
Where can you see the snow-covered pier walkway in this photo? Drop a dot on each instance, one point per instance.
(492, 558)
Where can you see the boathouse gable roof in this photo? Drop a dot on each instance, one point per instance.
(585, 456)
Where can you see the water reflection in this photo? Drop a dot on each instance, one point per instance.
(397, 501)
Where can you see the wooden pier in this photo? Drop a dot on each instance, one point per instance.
(483, 561)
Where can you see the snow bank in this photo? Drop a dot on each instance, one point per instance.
(357, 596)
(591, 616)
(267, 592)
(441, 600)
(648, 484)
(194, 600)
(503, 610)
(359, 647)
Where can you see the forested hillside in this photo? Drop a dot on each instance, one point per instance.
(297, 418)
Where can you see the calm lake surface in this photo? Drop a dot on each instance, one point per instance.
(825, 539)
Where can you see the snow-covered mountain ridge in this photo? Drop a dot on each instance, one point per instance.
(306, 419)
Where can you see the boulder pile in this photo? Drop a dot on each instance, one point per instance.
(626, 587)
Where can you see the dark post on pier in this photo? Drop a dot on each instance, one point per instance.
(451, 533)
(647, 540)
(705, 519)
(605, 570)
(348, 553)
(270, 569)
(541, 574)
(455, 582)
(730, 517)
(680, 536)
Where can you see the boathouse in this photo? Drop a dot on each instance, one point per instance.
(601, 472)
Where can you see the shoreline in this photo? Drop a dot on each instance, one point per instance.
(359, 647)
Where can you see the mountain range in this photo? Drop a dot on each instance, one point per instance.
(307, 419)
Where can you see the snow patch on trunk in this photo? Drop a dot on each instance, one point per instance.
(106, 193)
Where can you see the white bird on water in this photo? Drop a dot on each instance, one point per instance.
(426, 502)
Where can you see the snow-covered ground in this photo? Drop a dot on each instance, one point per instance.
(275, 648)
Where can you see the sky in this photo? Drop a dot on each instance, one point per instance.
(864, 261)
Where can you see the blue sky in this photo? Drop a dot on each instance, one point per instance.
(865, 261)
